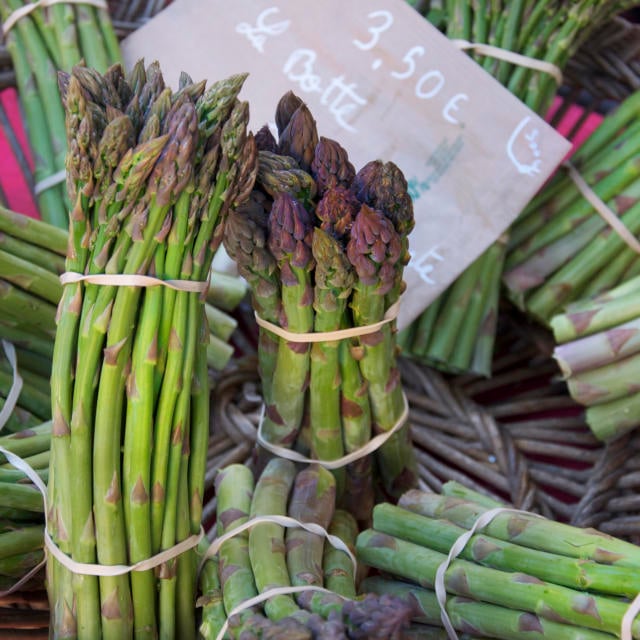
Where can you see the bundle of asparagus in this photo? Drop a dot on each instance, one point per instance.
(597, 351)
(561, 249)
(323, 248)
(457, 331)
(21, 505)
(254, 561)
(44, 40)
(152, 175)
(522, 575)
(31, 260)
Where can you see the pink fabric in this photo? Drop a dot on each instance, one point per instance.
(569, 121)
(12, 180)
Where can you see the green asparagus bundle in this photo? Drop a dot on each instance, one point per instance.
(45, 40)
(597, 350)
(323, 248)
(561, 248)
(520, 574)
(152, 174)
(21, 505)
(269, 556)
(457, 331)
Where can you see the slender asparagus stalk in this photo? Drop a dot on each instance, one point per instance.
(337, 567)
(290, 243)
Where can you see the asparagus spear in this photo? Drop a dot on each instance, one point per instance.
(527, 529)
(333, 283)
(290, 243)
(312, 500)
(479, 617)
(374, 249)
(266, 540)
(234, 491)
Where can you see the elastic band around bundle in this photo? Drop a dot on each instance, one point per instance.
(513, 57)
(49, 181)
(32, 6)
(284, 521)
(461, 542)
(373, 445)
(605, 212)
(134, 280)
(328, 336)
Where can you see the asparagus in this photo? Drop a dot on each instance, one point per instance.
(266, 540)
(155, 207)
(374, 249)
(440, 535)
(312, 500)
(527, 529)
(611, 420)
(536, 30)
(513, 590)
(336, 565)
(333, 283)
(234, 491)
(483, 618)
(591, 316)
(290, 243)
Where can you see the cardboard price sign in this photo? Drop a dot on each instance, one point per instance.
(383, 82)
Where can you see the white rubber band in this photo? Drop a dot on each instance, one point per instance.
(28, 8)
(371, 446)
(133, 280)
(511, 56)
(626, 632)
(266, 595)
(456, 549)
(49, 181)
(328, 336)
(605, 212)
(16, 385)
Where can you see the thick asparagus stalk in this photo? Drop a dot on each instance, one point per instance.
(266, 540)
(483, 618)
(312, 500)
(234, 491)
(527, 529)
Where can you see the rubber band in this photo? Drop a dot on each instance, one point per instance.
(374, 444)
(605, 212)
(134, 280)
(511, 56)
(285, 521)
(456, 549)
(16, 385)
(49, 181)
(628, 618)
(327, 336)
(266, 595)
(32, 6)
(96, 569)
